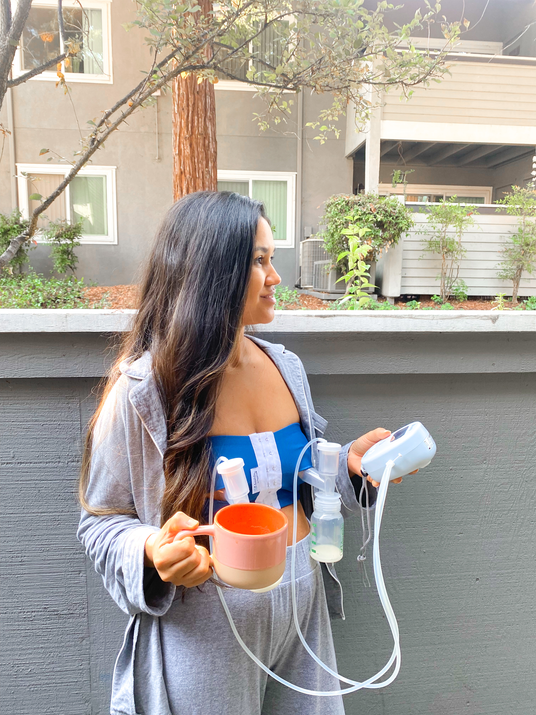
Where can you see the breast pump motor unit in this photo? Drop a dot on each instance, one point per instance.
(409, 448)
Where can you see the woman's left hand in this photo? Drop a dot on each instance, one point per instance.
(362, 445)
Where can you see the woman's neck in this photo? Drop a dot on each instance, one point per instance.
(243, 352)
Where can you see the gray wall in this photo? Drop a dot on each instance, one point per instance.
(457, 540)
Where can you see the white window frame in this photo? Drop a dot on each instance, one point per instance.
(446, 190)
(61, 169)
(76, 77)
(289, 177)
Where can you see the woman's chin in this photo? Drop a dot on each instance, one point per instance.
(260, 317)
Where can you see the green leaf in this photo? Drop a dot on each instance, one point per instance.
(35, 197)
(43, 151)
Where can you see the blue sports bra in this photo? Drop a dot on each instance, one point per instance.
(269, 462)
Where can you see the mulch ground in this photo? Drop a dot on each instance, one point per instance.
(125, 296)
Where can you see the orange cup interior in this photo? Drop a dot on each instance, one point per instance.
(251, 519)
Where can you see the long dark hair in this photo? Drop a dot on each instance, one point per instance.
(190, 317)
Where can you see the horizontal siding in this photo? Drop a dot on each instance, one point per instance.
(478, 269)
(474, 93)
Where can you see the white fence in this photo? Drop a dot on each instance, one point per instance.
(478, 269)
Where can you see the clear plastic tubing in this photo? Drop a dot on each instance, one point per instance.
(380, 585)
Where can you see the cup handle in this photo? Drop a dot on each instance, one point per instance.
(207, 529)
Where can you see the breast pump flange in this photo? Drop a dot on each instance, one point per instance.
(404, 451)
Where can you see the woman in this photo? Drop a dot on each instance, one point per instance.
(191, 385)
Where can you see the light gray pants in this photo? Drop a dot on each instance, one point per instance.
(206, 671)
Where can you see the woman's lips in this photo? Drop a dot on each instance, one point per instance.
(270, 298)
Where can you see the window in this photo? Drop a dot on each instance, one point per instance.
(275, 190)
(267, 47)
(90, 196)
(87, 27)
(425, 194)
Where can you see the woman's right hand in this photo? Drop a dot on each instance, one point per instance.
(180, 562)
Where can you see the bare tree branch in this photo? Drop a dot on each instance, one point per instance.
(5, 19)
(36, 71)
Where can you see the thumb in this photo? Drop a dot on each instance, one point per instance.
(178, 522)
(365, 442)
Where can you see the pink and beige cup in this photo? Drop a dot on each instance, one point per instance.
(250, 545)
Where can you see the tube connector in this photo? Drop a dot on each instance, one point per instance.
(325, 477)
(235, 481)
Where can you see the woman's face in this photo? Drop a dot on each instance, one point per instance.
(260, 300)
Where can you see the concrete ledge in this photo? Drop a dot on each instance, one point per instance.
(289, 321)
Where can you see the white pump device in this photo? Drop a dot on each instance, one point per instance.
(409, 448)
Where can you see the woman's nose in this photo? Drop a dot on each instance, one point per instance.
(273, 278)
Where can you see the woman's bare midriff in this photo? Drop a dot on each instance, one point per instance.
(303, 524)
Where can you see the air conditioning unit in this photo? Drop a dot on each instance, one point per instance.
(325, 277)
(311, 251)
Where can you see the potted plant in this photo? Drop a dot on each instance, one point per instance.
(385, 219)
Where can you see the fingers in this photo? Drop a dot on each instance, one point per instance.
(179, 561)
(190, 571)
(377, 484)
(200, 573)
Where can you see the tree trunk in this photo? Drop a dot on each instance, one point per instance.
(194, 132)
(516, 282)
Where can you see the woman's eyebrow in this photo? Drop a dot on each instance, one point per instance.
(262, 249)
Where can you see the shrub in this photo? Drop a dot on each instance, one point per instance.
(386, 219)
(519, 254)
(447, 221)
(32, 290)
(63, 237)
(287, 299)
(459, 291)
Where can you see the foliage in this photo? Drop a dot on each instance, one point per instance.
(323, 45)
(385, 219)
(530, 303)
(447, 306)
(11, 226)
(459, 291)
(33, 290)
(413, 305)
(447, 221)
(337, 48)
(287, 299)
(500, 302)
(519, 254)
(401, 177)
(357, 277)
(369, 304)
(437, 299)
(63, 237)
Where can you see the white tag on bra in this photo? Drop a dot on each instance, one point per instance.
(267, 477)
(259, 479)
